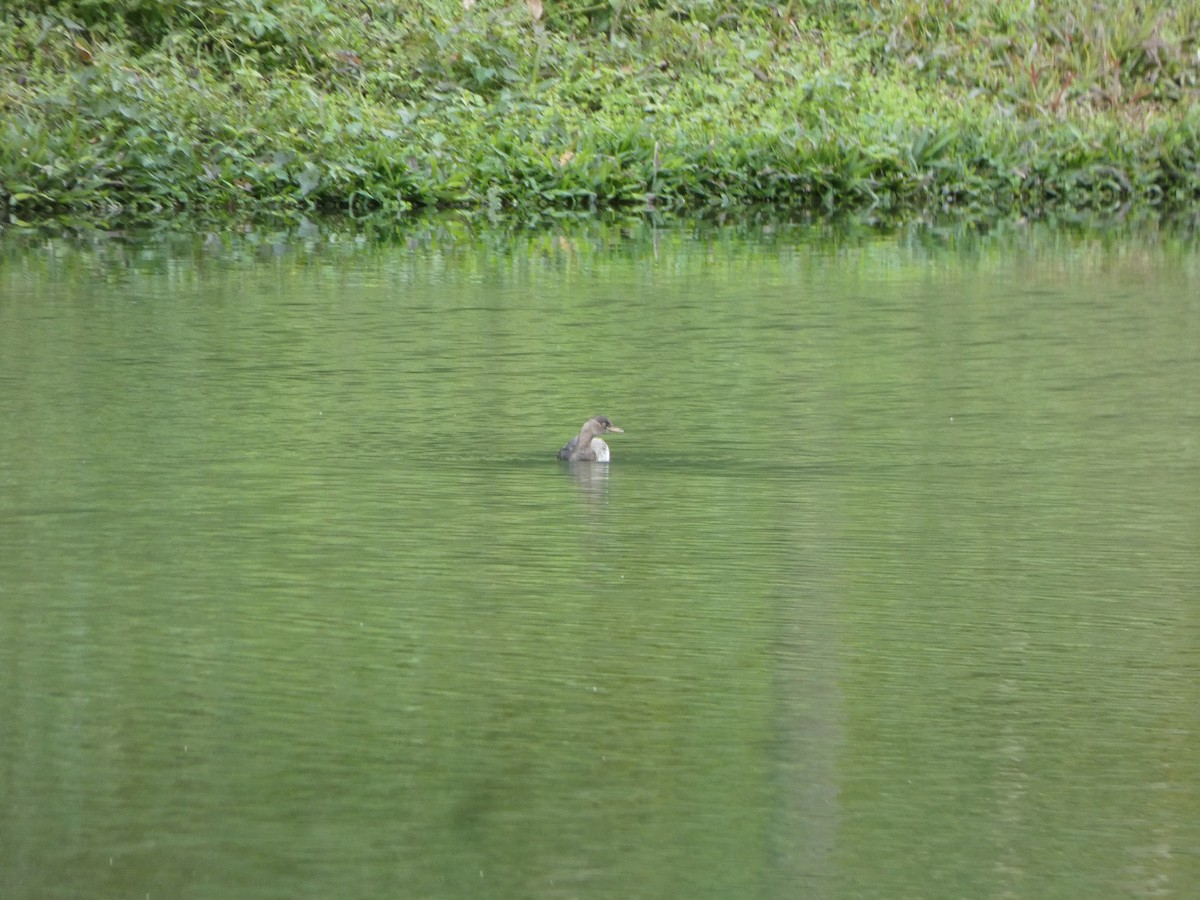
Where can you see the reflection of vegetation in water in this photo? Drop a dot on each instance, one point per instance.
(242, 105)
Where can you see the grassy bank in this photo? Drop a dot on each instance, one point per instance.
(128, 111)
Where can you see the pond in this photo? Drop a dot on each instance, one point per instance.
(890, 589)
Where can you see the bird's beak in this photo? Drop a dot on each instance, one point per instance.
(616, 429)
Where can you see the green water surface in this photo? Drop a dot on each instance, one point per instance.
(892, 588)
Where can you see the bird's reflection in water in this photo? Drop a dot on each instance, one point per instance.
(590, 478)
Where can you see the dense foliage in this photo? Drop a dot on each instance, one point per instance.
(119, 111)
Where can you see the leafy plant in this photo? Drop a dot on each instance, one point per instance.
(127, 110)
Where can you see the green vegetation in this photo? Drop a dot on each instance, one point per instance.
(116, 112)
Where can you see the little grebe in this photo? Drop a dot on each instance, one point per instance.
(587, 446)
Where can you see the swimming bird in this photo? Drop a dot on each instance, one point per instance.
(587, 445)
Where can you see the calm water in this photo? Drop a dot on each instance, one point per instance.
(891, 590)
